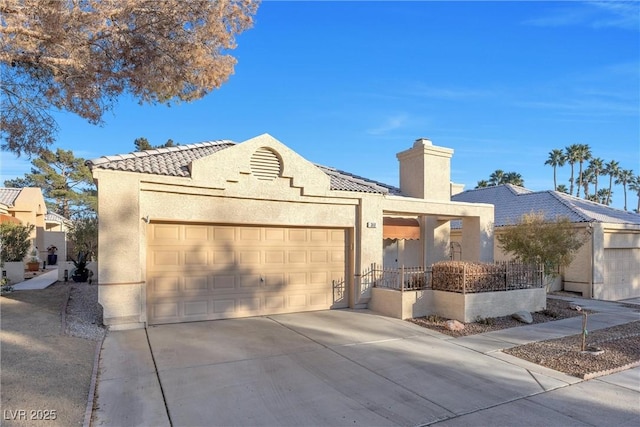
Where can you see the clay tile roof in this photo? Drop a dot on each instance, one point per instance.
(511, 202)
(8, 196)
(54, 217)
(174, 161)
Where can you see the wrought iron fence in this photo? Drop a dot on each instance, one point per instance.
(457, 276)
(401, 279)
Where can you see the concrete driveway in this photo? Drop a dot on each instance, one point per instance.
(338, 367)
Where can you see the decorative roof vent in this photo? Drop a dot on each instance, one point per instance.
(266, 164)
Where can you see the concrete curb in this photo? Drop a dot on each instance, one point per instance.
(593, 375)
(94, 384)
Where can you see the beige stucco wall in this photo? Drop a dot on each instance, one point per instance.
(57, 239)
(301, 196)
(450, 305)
(30, 208)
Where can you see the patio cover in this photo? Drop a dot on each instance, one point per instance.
(400, 228)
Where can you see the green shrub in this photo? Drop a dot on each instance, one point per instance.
(14, 239)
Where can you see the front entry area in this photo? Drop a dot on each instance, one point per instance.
(209, 271)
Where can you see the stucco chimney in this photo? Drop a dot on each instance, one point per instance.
(425, 171)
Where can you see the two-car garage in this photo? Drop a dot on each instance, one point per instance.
(216, 271)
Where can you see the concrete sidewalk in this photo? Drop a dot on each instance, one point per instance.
(351, 367)
(41, 281)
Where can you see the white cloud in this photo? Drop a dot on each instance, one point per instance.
(389, 124)
(449, 93)
(595, 14)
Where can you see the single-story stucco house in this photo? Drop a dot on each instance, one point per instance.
(606, 267)
(26, 206)
(220, 229)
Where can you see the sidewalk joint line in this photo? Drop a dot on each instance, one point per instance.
(155, 367)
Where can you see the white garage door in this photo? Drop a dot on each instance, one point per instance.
(207, 272)
(621, 273)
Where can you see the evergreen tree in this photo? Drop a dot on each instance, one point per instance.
(65, 180)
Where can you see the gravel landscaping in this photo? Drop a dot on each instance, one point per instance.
(620, 345)
(556, 310)
(84, 314)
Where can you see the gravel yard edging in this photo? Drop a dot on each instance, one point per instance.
(610, 371)
(63, 312)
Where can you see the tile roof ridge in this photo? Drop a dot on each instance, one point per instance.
(516, 189)
(385, 188)
(568, 201)
(156, 151)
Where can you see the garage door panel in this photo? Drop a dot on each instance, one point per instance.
(274, 257)
(199, 284)
(165, 258)
(164, 285)
(196, 233)
(249, 258)
(621, 274)
(195, 258)
(224, 281)
(196, 308)
(215, 272)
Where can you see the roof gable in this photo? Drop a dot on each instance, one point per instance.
(178, 161)
(512, 202)
(8, 196)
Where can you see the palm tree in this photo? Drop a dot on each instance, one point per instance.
(497, 177)
(482, 184)
(582, 154)
(624, 177)
(597, 166)
(556, 158)
(513, 178)
(604, 195)
(571, 154)
(587, 178)
(562, 189)
(634, 186)
(612, 169)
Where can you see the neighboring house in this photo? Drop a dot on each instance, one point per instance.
(57, 227)
(608, 264)
(56, 222)
(220, 230)
(27, 206)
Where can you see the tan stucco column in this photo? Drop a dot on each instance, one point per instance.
(436, 238)
(477, 239)
(597, 261)
(369, 250)
(120, 247)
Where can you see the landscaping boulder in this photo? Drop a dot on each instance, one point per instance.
(454, 325)
(523, 316)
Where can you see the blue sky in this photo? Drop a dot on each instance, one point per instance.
(350, 84)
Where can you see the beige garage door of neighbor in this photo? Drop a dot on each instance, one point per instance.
(206, 272)
(621, 273)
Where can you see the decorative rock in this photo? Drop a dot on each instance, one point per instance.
(575, 307)
(523, 316)
(593, 350)
(454, 325)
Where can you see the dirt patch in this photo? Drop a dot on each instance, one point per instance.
(556, 310)
(620, 347)
(46, 374)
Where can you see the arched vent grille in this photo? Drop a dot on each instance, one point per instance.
(266, 164)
